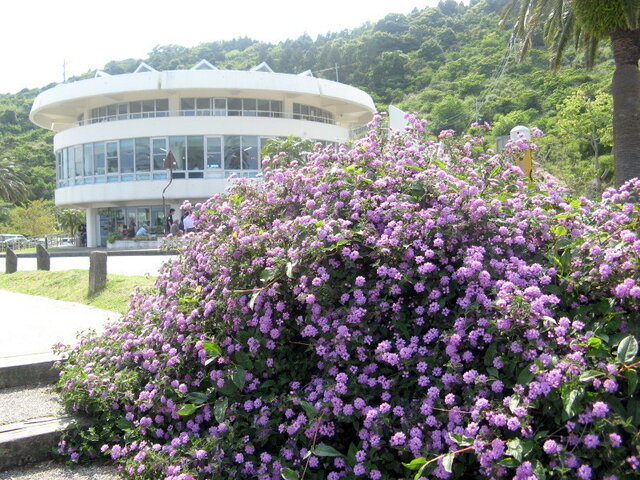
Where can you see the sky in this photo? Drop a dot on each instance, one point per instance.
(41, 39)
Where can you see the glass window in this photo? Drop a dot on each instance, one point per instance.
(249, 107)
(188, 106)
(143, 156)
(159, 146)
(136, 109)
(232, 152)
(250, 152)
(126, 156)
(112, 112)
(148, 108)
(234, 107)
(264, 109)
(65, 163)
(78, 160)
(195, 153)
(220, 107)
(162, 105)
(123, 111)
(203, 106)
(98, 158)
(112, 157)
(178, 148)
(214, 152)
(88, 159)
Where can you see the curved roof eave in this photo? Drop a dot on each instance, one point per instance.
(71, 96)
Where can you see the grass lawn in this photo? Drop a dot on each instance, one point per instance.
(73, 285)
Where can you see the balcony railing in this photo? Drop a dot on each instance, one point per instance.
(206, 113)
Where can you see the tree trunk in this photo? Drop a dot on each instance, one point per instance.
(625, 90)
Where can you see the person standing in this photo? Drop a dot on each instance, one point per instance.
(170, 221)
(189, 225)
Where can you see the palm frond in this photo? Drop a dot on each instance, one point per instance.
(631, 10)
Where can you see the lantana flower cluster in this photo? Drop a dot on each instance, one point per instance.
(399, 309)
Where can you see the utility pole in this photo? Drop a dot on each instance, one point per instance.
(337, 78)
(64, 71)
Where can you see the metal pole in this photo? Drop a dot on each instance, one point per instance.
(169, 163)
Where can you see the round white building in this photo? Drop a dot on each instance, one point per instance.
(114, 133)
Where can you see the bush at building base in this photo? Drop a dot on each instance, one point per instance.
(397, 310)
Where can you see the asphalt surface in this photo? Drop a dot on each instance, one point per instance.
(31, 325)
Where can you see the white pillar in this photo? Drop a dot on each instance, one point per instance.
(91, 215)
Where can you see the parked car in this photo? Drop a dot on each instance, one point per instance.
(12, 240)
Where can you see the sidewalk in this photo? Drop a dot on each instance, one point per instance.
(30, 325)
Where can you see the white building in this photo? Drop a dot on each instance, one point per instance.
(114, 133)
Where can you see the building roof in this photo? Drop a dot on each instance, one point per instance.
(59, 107)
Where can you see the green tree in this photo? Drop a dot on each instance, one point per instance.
(587, 119)
(13, 187)
(294, 147)
(450, 113)
(587, 22)
(69, 220)
(34, 219)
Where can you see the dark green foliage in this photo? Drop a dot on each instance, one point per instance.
(453, 64)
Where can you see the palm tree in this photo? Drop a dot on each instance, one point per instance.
(584, 23)
(13, 186)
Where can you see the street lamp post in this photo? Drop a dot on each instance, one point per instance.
(169, 163)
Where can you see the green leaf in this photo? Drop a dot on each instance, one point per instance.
(289, 474)
(525, 376)
(351, 455)
(461, 440)
(627, 349)
(323, 450)
(589, 375)
(559, 230)
(416, 463)
(220, 409)
(418, 474)
(213, 349)
(570, 401)
(124, 424)
(238, 378)
(243, 359)
(493, 372)
(187, 409)
(515, 449)
(495, 171)
(508, 462)
(228, 389)
(514, 401)
(267, 275)
(414, 167)
(447, 462)
(440, 164)
(309, 409)
(539, 470)
(632, 381)
(290, 269)
(208, 361)
(197, 397)
(594, 342)
(253, 299)
(576, 204)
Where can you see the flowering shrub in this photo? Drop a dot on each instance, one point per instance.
(402, 309)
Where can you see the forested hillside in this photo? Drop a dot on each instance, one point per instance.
(453, 64)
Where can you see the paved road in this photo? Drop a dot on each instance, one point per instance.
(119, 265)
(30, 325)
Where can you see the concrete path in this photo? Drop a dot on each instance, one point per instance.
(30, 325)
